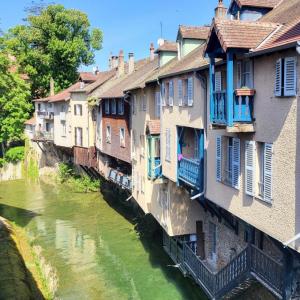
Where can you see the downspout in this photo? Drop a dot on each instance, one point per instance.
(203, 81)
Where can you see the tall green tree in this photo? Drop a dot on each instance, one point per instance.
(53, 43)
(15, 104)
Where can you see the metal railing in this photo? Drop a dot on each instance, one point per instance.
(243, 109)
(251, 261)
(43, 136)
(189, 171)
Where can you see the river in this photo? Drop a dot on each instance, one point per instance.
(95, 250)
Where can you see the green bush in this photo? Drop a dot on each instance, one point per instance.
(84, 184)
(15, 154)
(2, 162)
(65, 172)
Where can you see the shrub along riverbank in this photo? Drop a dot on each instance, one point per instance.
(13, 155)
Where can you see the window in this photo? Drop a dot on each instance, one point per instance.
(108, 134)
(143, 103)
(245, 74)
(47, 127)
(188, 91)
(285, 77)
(168, 144)
(114, 106)
(121, 107)
(78, 110)
(157, 105)
(180, 92)
(78, 136)
(133, 105)
(39, 106)
(212, 240)
(63, 108)
(122, 137)
(163, 94)
(170, 93)
(64, 128)
(107, 106)
(228, 161)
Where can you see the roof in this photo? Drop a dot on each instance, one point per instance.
(194, 32)
(30, 121)
(167, 46)
(192, 61)
(88, 76)
(241, 34)
(258, 3)
(153, 127)
(115, 88)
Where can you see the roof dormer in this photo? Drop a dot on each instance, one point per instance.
(189, 38)
(166, 51)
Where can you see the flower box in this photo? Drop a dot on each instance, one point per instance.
(245, 92)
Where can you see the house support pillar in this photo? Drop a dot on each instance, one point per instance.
(230, 90)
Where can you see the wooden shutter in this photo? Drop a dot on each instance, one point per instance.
(250, 168)
(268, 153)
(190, 91)
(218, 82)
(278, 78)
(171, 93)
(180, 92)
(239, 74)
(163, 94)
(219, 158)
(290, 76)
(236, 161)
(168, 144)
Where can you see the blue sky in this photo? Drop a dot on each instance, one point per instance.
(130, 25)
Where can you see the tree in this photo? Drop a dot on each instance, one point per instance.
(54, 43)
(15, 105)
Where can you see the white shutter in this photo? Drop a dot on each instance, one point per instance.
(278, 79)
(163, 94)
(180, 92)
(236, 161)
(157, 104)
(168, 144)
(250, 168)
(219, 158)
(171, 93)
(239, 74)
(190, 91)
(290, 76)
(218, 82)
(268, 153)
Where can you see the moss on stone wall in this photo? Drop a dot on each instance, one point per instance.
(30, 165)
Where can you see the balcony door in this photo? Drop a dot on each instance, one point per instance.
(78, 136)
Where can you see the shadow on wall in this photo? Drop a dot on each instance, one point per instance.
(150, 234)
(16, 280)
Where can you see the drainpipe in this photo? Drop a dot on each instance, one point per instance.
(203, 81)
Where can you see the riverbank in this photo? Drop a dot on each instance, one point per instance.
(20, 269)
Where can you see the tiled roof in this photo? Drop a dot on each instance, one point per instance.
(241, 34)
(30, 121)
(258, 3)
(194, 32)
(115, 88)
(153, 127)
(167, 46)
(88, 76)
(286, 12)
(192, 61)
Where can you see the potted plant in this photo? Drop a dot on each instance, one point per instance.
(245, 91)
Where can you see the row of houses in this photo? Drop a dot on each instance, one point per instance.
(204, 134)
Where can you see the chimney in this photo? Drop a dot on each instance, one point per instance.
(110, 62)
(114, 62)
(152, 51)
(130, 63)
(52, 92)
(96, 70)
(220, 10)
(121, 64)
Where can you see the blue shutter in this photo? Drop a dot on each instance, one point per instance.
(171, 93)
(278, 78)
(250, 168)
(290, 76)
(190, 91)
(163, 94)
(219, 158)
(218, 81)
(236, 161)
(268, 153)
(180, 92)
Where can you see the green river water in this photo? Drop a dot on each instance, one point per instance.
(95, 250)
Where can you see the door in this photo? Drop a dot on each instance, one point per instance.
(200, 240)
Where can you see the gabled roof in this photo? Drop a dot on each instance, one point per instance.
(115, 88)
(153, 127)
(30, 121)
(167, 46)
(88, 76)
(240, 34)
(193, 32)
(257, 3)
(190, 62)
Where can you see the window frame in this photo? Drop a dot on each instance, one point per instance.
(108, 134)
(122, 137)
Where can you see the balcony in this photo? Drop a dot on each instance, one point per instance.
(43, 136)
(45, 115)
(154, 168)
(189, 171)
(241, 110)
(62, 116)
(122, 180)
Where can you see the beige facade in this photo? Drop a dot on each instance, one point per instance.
(276, 122)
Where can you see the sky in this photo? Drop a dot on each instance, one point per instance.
(130, 25)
